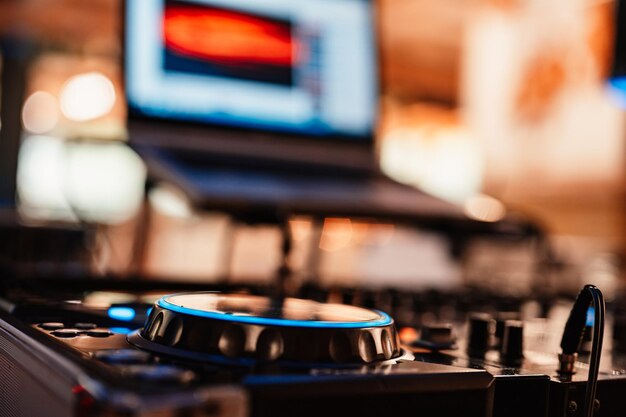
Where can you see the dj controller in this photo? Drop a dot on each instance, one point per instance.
(342, 352)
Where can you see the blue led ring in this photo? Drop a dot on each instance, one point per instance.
(384, 319)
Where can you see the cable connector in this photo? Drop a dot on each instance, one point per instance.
(567, 363)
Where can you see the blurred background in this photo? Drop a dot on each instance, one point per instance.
(501, 106)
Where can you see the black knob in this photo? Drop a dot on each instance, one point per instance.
(480, 331)
(512, 350)
(501, 319)
(436, 337)
(440, 334)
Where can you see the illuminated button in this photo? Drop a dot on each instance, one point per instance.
(65, 333)
(84, 326)
(51, 326)
(120, 330)
(121, 313)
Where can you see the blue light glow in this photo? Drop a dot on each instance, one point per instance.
(384, 319)
(591, 312)
(121, 313)
(120, 330)
(617, 91)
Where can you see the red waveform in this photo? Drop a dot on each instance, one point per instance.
(228, 37)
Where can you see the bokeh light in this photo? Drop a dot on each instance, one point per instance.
(97, 182)
(87, 96)
(484, 208)
(40, 113)
(170, 202)
(104, 182)
(336, 234)
(40, 179)
(445, 161)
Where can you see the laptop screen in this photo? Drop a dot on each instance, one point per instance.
(306, 67)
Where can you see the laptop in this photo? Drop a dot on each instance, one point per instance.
(264, 106)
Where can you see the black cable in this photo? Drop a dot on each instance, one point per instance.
(573, 334)
(574, 328)
(596, 350)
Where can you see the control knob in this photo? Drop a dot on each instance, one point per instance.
(480, 330)
(512, 349)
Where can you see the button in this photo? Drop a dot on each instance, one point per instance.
(159, 373)
(51, 326)
(123, 356)
(99, 333)
(65, 333)
(85, 326)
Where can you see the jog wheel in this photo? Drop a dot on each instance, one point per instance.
(245, 328)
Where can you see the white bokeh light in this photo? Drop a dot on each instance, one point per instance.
(446, 163)
(40, 178)
(168, 201)
(100, 182)
(104, 182)
(87, 96)
(40, 113)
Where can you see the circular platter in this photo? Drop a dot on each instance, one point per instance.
(247, 328)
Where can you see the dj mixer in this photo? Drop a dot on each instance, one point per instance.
(243, 353)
